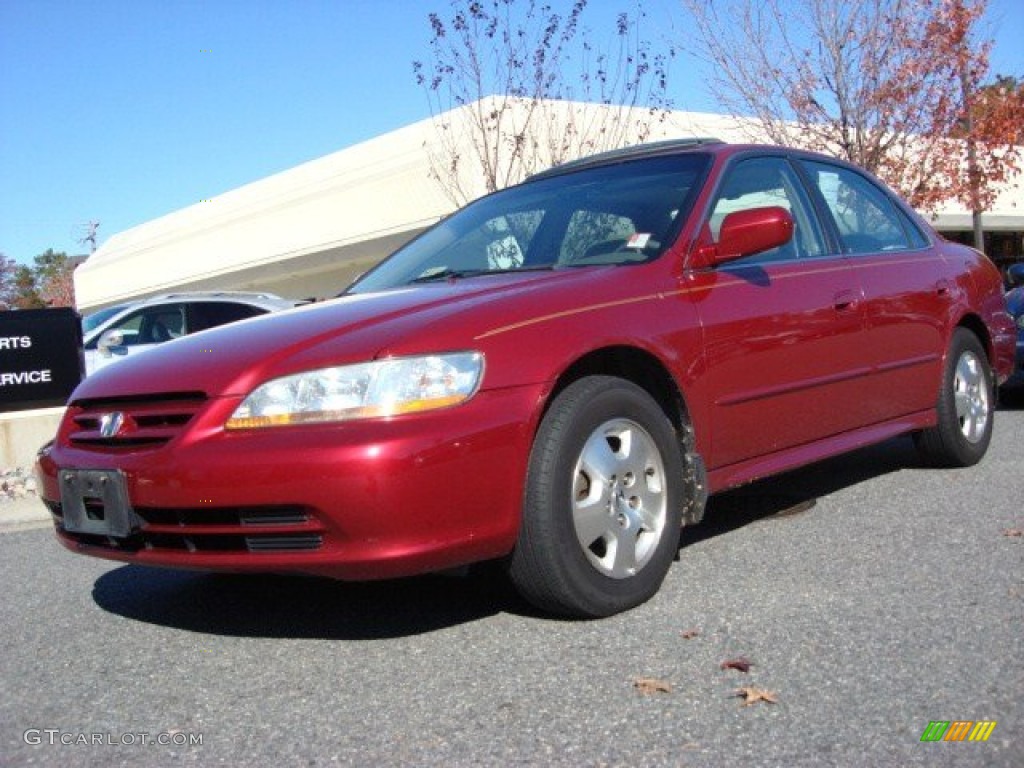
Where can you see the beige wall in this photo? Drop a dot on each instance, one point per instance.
(22, 433)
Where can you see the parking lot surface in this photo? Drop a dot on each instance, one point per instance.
(870, 596)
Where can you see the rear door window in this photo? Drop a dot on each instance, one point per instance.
(865, 217)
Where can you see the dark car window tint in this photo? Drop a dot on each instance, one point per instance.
(209, 314)
(865, 217)
(769, 181)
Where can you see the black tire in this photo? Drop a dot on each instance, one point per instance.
(596, 424)
(965, 407)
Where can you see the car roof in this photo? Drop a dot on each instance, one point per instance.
(250, 297)
(683, 146)
(636, 151)
(267, 300)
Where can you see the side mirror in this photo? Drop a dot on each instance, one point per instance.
(752, 231)
(111, 343)
(1015, 275)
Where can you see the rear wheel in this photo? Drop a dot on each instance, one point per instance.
(603, 506)
(964, 428)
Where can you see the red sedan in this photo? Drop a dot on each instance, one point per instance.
(555, 376)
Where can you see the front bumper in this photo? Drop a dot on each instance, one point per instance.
(358, 500)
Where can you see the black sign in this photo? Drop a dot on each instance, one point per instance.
(40, 357)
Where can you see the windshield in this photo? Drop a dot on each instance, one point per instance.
(96, 319)
(617, 214)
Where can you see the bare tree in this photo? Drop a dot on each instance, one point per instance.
(90, 236)
(885, 84)
(527, 79)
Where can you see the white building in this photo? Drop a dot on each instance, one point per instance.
(310, 230)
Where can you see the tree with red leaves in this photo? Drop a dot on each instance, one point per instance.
(58, 290)
(894, 86)
(49, 283)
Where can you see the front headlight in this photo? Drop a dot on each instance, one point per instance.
(367, 390)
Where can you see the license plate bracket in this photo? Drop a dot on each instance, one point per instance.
(95, 501)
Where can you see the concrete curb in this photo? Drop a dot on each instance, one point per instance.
(24, 513)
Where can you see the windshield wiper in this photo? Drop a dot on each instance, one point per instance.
(458, 274)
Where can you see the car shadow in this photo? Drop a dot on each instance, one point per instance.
(283, 606)
(268, 605)
(793, 493)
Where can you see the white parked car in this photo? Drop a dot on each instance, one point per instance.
(113, 333)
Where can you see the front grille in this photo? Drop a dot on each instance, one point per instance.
(280, 528)
(148, 420)
(221, 516)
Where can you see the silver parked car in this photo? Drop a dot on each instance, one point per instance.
(113, 333)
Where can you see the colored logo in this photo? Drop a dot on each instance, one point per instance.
(116, 424)
(958, 730)
(111, 423)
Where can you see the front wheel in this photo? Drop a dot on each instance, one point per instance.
(964, 428)
(603, 507)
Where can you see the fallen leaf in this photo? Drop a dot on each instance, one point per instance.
(689, 634)
(741, 663)
(752, 695)
(647, 685)
(1013, 532)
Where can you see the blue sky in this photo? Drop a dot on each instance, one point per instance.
(122, 111)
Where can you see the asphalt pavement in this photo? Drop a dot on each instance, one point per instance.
(870, 596)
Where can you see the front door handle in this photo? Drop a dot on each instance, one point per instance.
(845, 301)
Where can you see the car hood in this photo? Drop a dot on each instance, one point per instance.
(421, 319)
